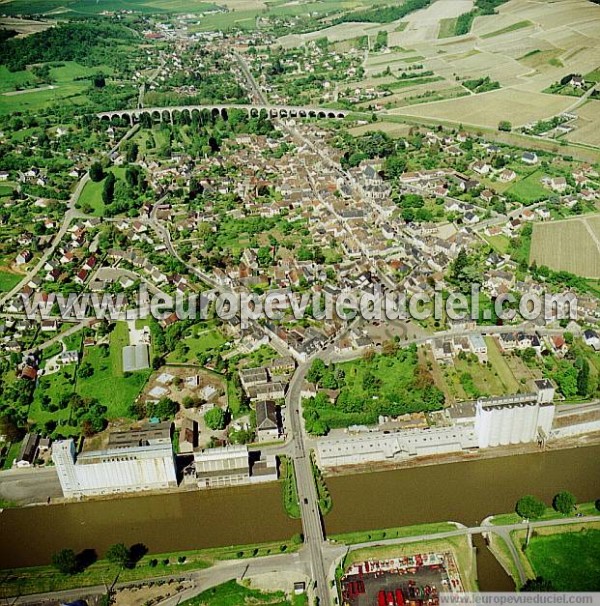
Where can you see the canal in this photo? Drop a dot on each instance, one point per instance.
(464, 492)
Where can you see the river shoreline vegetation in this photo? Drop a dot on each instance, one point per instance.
(94, 571)
(289, 488)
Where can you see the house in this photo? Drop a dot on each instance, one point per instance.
(487, 195)
(24, 257)
(81, 277)
(90, 263)
(558, 184)
(577, 81)
(29, 372)
(68, 357)
(529, 158)
(471, 218)
(28, 452)
(507, 175)
(268, 423)
(559, 345)
(49, 325)
(188, 436)
(4, 175)
(481, 168)
(592, 339)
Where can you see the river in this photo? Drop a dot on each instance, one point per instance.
(464, 492)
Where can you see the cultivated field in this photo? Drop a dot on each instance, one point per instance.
(487, 109)
(587, 126)
(572, 245)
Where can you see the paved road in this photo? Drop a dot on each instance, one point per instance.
(28, 486)
(502, 531)
(203, 579)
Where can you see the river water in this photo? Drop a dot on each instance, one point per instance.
(463, 492)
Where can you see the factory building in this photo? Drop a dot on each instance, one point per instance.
(134, 460)
(233, 466)
(485, 423)
(516, 419)
(376, 446)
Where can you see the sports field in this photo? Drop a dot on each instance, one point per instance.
(572, 245)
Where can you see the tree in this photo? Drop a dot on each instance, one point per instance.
(583, 377)
(165, 408)
(215, 419)
(597, 504)
(96, 172)
(505, 125)
(538, 584)
(118, 554)
(108, 191)
(564, 502)
(530, 507)
(65, 561)
(85, 370)
(316, 371)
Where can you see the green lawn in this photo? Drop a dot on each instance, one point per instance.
(12, 454)
(366, 536)
(529, 189)
(10, 80)
(199, 342)
(570, 560)
(8, 280)
(499, 243)
(41, 579)
(587, 509)
(92, 192)
(108, 383)
(234, 594)
(501, 367)
(66, 94)
(83, 7)
(55, 386)
(593, 76)
(447, 28)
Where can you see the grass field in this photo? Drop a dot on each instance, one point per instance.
(91, 196)
(447, 27)
(500, 243)
(234, 594)
(65, 88)
(202, 341)
(81, 7)
(366, 536)
(550, 514)
(570, 560)
(8, 280)
(567, 245)
(108, 383)
(529, 189)
(41, 579)
(506, 30)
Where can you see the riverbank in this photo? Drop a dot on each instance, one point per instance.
(461, 549)
(45, 579)
(567, 556)
(475, 455)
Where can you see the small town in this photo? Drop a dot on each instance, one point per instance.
(158, 158)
